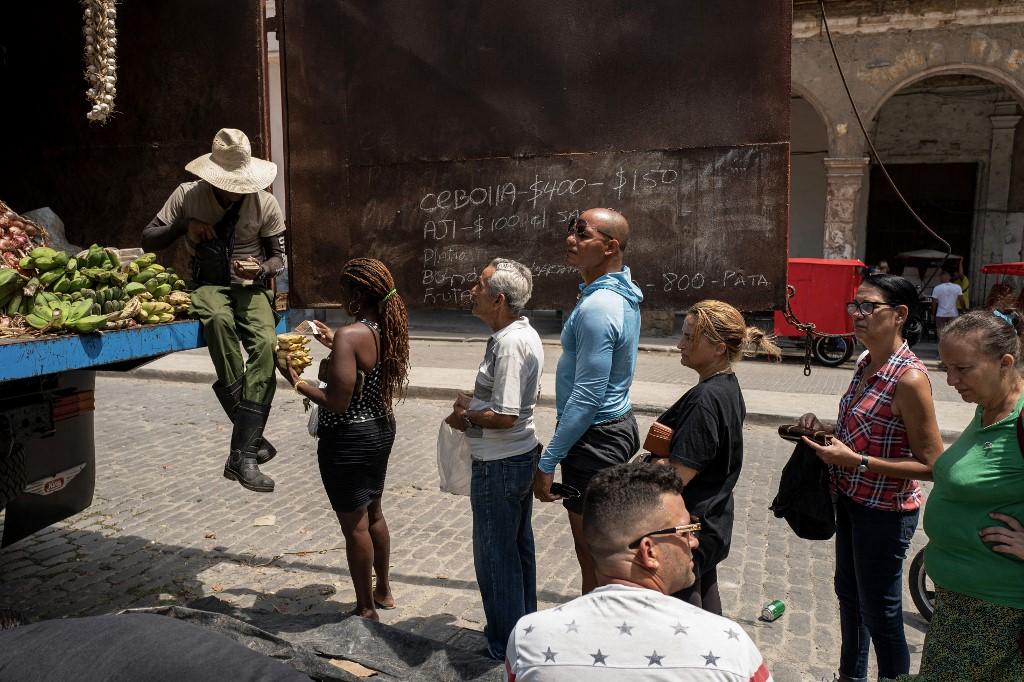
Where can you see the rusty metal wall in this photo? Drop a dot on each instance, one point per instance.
(186, 69)
(388, 101)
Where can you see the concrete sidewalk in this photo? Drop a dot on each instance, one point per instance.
(444, 365)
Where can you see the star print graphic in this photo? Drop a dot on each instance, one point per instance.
(679, 629)
(528, 630)
(625, 629)
(654, 658)
(572, 627)
(599, 658)
(732, 634)
(710, 659)
(549, 655)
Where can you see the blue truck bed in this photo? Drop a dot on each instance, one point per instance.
(24, 358)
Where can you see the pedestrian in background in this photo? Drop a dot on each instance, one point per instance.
(945, 296)
(886, 439)
(975, 512)
(498, 422)
(366, 373)
(707, 434)
(596, 428)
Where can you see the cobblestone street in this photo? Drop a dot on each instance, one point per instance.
(167, 528)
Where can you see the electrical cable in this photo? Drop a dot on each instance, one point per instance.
(874, 153)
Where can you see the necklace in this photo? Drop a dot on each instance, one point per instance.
(727, 370)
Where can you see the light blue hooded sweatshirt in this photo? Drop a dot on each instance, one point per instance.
(599, 345)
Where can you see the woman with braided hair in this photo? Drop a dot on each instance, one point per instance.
(706, 448)
(366, 372)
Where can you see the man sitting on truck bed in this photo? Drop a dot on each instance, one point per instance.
(234, 233)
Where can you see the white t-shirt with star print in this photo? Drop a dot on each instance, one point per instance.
(622, 633)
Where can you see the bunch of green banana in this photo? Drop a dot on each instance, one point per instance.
(153, 312)
(98, 257)
(11, 286)
(44, 259)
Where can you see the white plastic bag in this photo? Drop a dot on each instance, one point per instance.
(454, 464)
(314, 413)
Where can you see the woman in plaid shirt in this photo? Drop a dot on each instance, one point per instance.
(886, 439)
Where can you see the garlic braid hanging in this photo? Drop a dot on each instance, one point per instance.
(100, 56)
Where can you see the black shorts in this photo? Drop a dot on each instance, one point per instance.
(601, 446)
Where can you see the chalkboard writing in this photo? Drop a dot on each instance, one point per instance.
(706, 223)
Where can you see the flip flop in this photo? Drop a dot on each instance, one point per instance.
(382, 607)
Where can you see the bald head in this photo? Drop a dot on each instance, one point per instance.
(610, 222)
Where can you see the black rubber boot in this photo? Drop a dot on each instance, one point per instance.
(229, 397)
(245, 438)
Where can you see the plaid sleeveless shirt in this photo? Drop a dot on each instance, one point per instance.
(869, 427)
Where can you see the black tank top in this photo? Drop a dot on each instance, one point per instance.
(370, 403)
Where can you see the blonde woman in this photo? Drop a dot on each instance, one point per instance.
(707, 434)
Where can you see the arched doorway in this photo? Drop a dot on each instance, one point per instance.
(951, 142)
(809, 148)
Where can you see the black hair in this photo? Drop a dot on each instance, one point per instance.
(620, 499)
(898, 290)
(1000, 333)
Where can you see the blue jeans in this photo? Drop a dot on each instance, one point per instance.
(870, 548)
(501, 494)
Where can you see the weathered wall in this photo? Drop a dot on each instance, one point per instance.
(807, 206)
(925, 125)
(886, 46)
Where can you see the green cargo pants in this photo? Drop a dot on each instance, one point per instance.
(234, 314)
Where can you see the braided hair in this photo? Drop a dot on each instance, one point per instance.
(373, 277)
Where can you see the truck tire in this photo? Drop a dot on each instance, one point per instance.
(12, 475)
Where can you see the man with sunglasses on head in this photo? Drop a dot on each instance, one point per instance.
(642, 538)
(596, 428)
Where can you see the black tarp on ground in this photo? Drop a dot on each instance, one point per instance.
(307, 642)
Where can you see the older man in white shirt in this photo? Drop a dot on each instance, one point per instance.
(498, 421)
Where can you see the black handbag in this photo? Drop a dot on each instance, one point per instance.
(211, 262)
(805, 492)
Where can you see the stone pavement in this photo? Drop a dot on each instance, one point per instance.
(166, 528)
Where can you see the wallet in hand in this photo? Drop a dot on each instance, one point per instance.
(793, 432)
(659, 440)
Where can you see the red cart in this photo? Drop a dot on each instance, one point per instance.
(823, 288)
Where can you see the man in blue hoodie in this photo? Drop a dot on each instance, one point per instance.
(596, 428)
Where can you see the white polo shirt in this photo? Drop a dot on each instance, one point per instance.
(508, 382)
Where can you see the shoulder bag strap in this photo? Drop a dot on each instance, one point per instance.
(1020, 432)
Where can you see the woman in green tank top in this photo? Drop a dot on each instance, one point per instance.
(974, 514)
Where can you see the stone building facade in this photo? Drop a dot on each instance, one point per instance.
(940, 86)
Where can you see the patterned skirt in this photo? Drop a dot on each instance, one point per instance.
(970, 640)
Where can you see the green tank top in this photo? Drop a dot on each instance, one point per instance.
(982, 472)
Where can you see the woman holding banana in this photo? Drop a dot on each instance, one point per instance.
(365, 374)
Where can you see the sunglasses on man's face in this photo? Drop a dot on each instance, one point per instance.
(682, 531)
(578, 228)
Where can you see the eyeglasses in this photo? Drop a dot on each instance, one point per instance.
(579, 230)
(865, 307)
(675, 530)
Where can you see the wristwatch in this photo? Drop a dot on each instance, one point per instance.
(863, 466)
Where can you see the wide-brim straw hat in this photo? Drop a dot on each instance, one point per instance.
(231, 166)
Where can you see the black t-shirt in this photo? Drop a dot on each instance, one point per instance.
(136, 646)
(707, 425)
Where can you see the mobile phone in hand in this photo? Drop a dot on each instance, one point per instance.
(565, 491)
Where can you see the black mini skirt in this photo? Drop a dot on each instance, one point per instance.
(353, 459)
